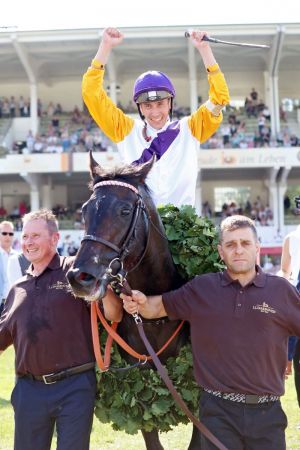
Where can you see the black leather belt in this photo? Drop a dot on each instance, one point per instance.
(51, 378)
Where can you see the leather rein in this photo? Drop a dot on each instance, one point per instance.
(121, 283)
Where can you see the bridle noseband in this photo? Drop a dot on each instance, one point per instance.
(123, 250)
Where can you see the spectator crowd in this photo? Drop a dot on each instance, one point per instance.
(256, 210)
(78, 133)
(237, 133)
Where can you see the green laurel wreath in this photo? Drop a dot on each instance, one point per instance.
(138, 399)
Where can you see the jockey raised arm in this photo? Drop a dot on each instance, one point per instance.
(174, 142)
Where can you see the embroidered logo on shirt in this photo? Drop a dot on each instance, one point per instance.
(265, 308)
(59, 285)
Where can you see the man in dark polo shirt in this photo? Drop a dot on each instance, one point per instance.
(51, 333)
(240, 323)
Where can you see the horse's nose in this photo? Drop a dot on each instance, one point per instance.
(86, 285)
(82, 278)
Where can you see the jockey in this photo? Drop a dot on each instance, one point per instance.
(175, 143)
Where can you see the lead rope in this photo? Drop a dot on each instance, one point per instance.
(177, 397)
(103, 365)
(114, 336)
(165, 377)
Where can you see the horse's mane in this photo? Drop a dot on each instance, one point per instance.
(133, 174)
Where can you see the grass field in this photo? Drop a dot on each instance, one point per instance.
(104, 438)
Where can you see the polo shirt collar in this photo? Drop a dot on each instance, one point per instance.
(54, 264)
(258, 281)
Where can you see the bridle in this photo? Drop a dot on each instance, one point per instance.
(123, 250)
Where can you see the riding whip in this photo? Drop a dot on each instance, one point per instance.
(187, 34)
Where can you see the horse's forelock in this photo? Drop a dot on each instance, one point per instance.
(128, 173)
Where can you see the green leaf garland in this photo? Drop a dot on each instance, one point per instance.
(192, 240)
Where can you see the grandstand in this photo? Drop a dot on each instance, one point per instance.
(48, 65)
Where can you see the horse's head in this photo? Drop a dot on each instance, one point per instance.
(116, 228)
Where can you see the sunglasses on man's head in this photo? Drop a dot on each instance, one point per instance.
(7, 233)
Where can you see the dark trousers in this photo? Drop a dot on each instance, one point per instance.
(296, 364)
(243, 427)
(68, 404)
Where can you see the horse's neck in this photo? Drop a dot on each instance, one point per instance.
(156, 273)
(154, 278)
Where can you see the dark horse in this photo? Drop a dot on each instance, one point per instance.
(123, 229)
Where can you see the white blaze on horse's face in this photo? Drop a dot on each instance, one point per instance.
(96, 259)
(98, 202)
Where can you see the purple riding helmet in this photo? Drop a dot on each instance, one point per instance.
(153, 86)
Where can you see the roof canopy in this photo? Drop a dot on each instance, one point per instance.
(65, 54)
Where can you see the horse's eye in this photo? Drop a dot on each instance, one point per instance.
(126, 211)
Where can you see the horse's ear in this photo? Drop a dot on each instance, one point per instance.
(145, 169)
(93, 165)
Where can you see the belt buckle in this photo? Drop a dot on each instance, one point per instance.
(251, 399)
(45, 379)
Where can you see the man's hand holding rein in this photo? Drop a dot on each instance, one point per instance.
(148, 307)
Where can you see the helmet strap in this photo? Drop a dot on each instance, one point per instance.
(140, 112)
(171, 109)
(145, 135)
(144, 132)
